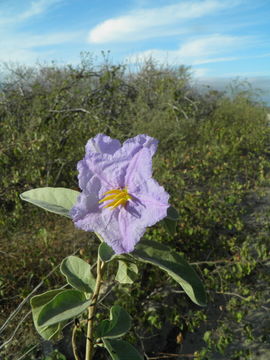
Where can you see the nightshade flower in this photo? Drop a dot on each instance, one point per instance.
(119, 197)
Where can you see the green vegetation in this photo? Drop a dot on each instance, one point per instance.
(213, 159)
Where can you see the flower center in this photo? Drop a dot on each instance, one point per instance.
(118, 197)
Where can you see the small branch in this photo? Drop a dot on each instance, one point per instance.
(5, 253)
(74, 345)
(212, 262)
(14, 313)
(58, 174)
(231, 294)
(112, 286)
(178, 291)
(167, 356)
(92, 311)
(28, 352)
(70, 110)
(15, 331)
(192, 102)
(142, 344)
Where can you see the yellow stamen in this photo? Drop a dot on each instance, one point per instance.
(111, 197)
(119, 197)
(113, 191)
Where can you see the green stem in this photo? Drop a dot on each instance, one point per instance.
(92, 311)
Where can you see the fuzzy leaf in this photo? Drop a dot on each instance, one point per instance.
(37, 303)
(117, 326)
(175, 265)
(127, 272)
(56, 200)
(121, 350)
(105, 252)
(170, 225)
(78, 274)
(172, 214)
(66, 305)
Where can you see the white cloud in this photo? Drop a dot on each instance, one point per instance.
(31, 41)
(148, 23)
(27, 47)
(36, 8)
(23, 47)
(22, 56)
(209, 45)
(216, 59)
(196, 51)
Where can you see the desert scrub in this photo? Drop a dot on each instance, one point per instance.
(213, 155)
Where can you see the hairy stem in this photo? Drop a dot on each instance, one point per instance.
(92, 311)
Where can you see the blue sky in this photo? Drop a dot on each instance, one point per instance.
(218, 38)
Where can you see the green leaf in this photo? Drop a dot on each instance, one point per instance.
(170, 220)
(175, 265)
(105, 252)
(172, 214)
(78, 274)
(37, 303)
(66, 305)
(206, 336)
(121, 350)
(56, 200)
(127, 272)
(170, 225)
(118, 325)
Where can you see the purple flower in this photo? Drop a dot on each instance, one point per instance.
(119, 197)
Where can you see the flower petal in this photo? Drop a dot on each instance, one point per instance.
(107, 166)
(84, 175)
(138, 142)
(122, 228)
(87, 204)
(115, 165)
(118, 229)
(139, 169)
(152, 196)
(90, 181)
(109, 169)
(102, 144)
